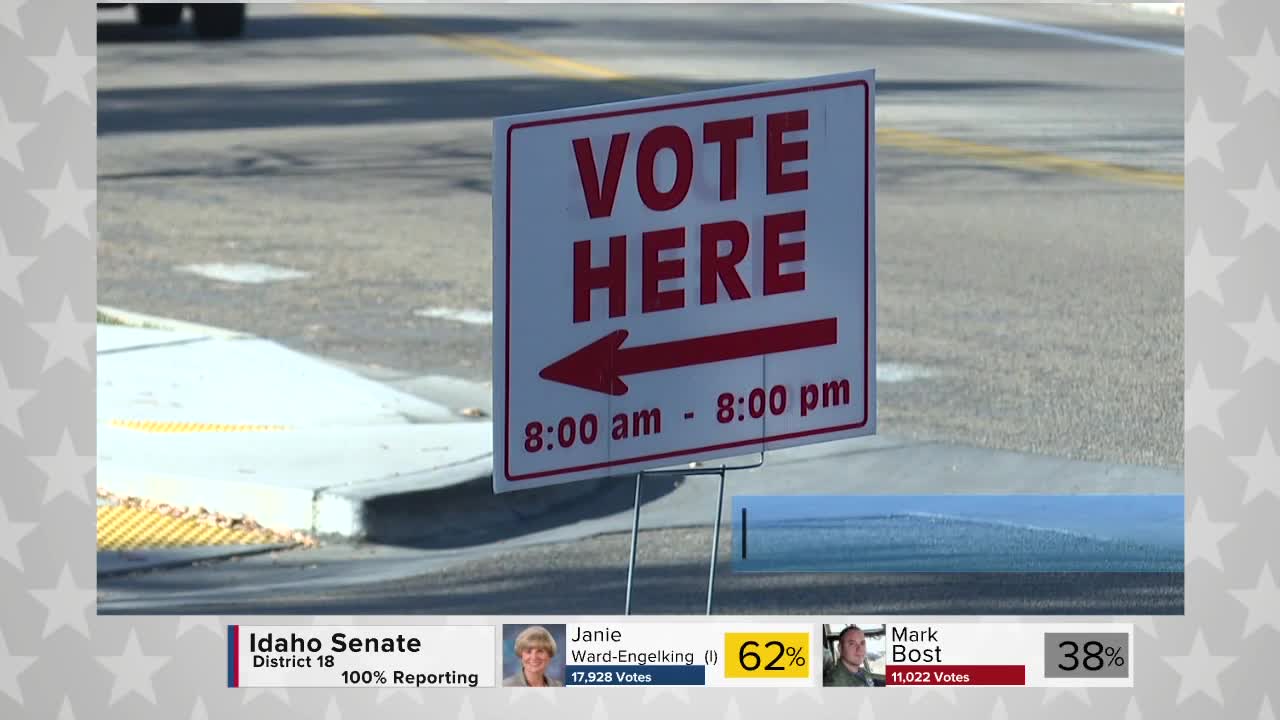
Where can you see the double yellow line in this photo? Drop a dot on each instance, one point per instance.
(550, 64)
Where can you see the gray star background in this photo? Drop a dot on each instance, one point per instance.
(12, 134)
(1261, 468)
(12, 533)
(59, 660)
(12, 400)
(67, 472)
(9, 18)
(12, 266)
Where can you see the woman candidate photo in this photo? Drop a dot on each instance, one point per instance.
(535, 648)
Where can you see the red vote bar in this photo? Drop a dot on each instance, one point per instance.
(955, 675)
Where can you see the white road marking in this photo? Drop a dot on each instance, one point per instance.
(1164, 8)
(244, 273)
(465, 315)
(1084, 35)
(889, 372)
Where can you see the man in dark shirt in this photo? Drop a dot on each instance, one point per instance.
(848, 670)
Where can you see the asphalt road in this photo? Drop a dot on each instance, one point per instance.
(589, 578)
(1045, 306)
(1029, 234)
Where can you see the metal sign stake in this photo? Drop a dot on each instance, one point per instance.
(715, 528)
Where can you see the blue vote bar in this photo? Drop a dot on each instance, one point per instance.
(958, 533)
(623, 675)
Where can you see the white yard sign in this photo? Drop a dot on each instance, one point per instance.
(683, 278)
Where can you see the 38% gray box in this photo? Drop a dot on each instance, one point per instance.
(1073, 655)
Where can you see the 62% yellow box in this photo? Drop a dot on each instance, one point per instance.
(766, 655)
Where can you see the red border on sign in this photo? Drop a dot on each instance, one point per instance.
(866, 318)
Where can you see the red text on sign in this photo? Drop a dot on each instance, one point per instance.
(722, 246)
(600, 190)
(567, 431)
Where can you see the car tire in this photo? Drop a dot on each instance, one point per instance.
(159, 14)
(214, 21)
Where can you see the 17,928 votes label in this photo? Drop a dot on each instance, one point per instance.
(342, 656)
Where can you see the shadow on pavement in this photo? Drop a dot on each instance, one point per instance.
(307, 27)
(269, 105)
(223, 107)
(470, 514)
(859, 31)
(463, 164)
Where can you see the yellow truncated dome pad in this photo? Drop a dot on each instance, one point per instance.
(129, 528)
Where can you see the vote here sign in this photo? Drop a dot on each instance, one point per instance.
(683, 278)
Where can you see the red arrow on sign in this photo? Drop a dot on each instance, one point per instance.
(600, 365)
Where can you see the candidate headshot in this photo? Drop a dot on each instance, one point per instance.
(850, 666)
(535, 651)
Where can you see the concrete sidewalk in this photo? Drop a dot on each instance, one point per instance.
(238, 425)
(203, 418)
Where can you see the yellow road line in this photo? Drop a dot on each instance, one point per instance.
(161, 426)
(341, 9)
(571, 67)
(1025, 159)
(905, 139)
(127, 528)
(474, 46)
